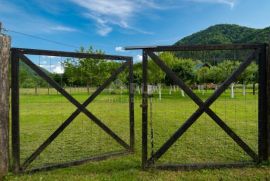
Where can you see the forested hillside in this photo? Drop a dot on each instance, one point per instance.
(227, 33)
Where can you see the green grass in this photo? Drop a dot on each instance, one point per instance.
(204, 142)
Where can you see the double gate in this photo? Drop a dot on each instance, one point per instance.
(17, 55)
(258, 51)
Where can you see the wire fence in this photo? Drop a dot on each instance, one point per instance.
(169, 107)
(43, 110)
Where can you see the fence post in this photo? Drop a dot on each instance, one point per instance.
(144, 110)
(15, 128)
(4, 103)
(131, 105)
(263, 109)
(268, 98)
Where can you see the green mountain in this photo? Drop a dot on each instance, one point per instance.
(223, 34)
(227, 34)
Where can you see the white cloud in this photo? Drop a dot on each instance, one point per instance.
(138, 58)
(59, 69)
(231, 3)
(62, 28)
(103, 29)
(48, 56)
(119, 49)
(54, 68)
(107, 13)
(43, 62)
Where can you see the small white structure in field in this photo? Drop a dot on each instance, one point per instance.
(232, 90)
(244, 89)
(150, 89)
(182, 93)
(138, 89)
(203, 89)
(159, 91)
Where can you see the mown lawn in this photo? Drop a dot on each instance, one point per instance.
(204, 142)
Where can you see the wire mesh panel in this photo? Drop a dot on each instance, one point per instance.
(203, 106)
(69, 108)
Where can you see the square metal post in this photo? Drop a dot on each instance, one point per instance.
(131, 105)
(268, 98)
(15, 128)
(262, 125)
(144, 109)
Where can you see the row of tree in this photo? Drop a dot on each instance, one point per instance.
(195, 71)
(92, 72)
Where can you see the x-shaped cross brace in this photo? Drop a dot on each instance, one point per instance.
(80, 108)
(203, 107)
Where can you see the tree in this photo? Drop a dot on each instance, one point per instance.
(137, 73)
(90, 71)
(250, 75)
(184, 69)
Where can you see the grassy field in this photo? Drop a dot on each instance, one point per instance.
(204, 142)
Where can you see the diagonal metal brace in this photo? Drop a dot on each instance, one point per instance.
(203, 107)
(80, 108)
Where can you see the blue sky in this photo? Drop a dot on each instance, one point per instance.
(112, 24)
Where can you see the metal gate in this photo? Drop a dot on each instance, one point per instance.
(19, 54)
(259, 51)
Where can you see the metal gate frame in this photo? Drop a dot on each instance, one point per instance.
(260, 50)
(18, 54)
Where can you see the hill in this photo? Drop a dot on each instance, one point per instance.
(223, 34)
(29, 78)
(226, 34)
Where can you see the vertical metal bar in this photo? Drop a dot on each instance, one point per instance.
(268, 98)
(131, 106)
(144, 109)
(15, 112)
(262, 146)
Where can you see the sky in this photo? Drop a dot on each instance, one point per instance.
(110, 25)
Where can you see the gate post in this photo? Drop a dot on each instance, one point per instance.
(263, 146)
(144, 109)
(15, 130)
(4, 103)
(131, 105)
(268, 98)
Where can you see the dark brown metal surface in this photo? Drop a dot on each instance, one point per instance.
(15, 129)
(197, 47)
(198, 166)
(203, 106)
(263, 142)
(131, 106)
(79, 162)
(18, 53)
(144, 109)
(69, 54)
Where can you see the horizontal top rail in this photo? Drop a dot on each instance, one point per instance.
(70, 54)
(198, 47)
